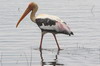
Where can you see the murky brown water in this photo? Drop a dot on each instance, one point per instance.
(19, 46)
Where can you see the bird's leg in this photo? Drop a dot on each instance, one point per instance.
(41, 40)
(56, 41)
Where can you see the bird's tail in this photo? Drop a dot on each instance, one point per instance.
(71, 33)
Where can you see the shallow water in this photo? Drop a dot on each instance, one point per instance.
(19, 46)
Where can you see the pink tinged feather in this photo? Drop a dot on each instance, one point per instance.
(63, 27)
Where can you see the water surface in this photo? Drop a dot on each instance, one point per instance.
(19, 46)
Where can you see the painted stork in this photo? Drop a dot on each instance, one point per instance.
(47, 23)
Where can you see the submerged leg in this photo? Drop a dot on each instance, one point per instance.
(41, 40)
(56, 41)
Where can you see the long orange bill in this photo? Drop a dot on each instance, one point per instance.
(23, 15)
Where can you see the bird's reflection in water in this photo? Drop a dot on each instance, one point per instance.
(52, 63)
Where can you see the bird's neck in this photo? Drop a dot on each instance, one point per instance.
(32, 16)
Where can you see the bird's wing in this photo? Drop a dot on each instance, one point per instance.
(48, 24)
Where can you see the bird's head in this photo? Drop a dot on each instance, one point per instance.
(31, 7)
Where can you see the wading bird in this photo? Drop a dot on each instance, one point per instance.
(47, 23)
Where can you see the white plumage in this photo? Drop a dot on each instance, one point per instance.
(43, 16)
(59, 26)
